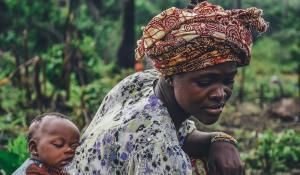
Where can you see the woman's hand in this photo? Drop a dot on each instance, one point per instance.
(224, 159)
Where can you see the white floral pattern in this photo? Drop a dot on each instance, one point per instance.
(133, 133)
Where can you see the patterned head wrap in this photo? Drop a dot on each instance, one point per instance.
(185, 40)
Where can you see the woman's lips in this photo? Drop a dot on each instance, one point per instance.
(215, 110)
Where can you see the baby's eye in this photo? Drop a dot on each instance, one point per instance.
(58, 145)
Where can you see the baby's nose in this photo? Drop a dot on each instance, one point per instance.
(70, 150)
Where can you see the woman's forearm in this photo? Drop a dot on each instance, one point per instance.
(197, 143)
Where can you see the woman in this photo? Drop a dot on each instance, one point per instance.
(141, 126)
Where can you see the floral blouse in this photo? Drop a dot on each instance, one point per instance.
(133, 133)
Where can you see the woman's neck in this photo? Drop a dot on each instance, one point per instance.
(165, 92)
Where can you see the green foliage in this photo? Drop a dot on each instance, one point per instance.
(7, 64)
(8, 162)
(275, 152)
(93, 49)
(18, 146)
(17, 153)
(9, 101)
(269, 59)
(53, 59)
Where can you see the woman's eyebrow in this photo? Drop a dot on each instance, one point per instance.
(216, 73)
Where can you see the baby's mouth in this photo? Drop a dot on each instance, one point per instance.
(66, 161)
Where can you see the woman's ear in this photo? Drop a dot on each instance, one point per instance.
(169, 80)
(33, 147)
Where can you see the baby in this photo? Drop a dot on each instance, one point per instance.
(52, 140)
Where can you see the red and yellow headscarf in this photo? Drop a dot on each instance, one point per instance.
(185, 40)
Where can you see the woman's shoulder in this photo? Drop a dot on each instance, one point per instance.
(121, 103)
(147, 76)
(129, 91)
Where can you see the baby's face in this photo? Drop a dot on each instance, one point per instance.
(57, 143)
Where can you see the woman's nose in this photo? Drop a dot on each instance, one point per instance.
(219, 94)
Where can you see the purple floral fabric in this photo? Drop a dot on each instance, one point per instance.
(132, 133)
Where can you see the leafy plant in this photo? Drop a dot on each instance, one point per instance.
(275, 152)
(8, 162)
(18, 146)
(15, 155)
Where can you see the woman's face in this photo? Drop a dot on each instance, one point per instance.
(204, 93)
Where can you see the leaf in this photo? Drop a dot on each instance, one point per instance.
(8, 161)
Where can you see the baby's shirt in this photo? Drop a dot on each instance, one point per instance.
(35, 167)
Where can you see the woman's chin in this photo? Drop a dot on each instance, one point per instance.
(209, 119)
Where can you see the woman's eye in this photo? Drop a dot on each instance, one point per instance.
(203, 83)
(230, 81)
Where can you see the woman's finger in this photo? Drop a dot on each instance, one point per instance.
(212, 170)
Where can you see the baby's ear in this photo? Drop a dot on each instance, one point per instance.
(33, 147)
(169, 80)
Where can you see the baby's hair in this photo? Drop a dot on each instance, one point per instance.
(193, 3)
(38, 119)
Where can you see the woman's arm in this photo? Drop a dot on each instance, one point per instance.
(197, 143)
(223, 157)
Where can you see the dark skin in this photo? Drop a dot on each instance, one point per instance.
(203, 94)
(54, 141)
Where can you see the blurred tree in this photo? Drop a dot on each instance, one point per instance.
(3, 17)
(94, 8)
(125, 53)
